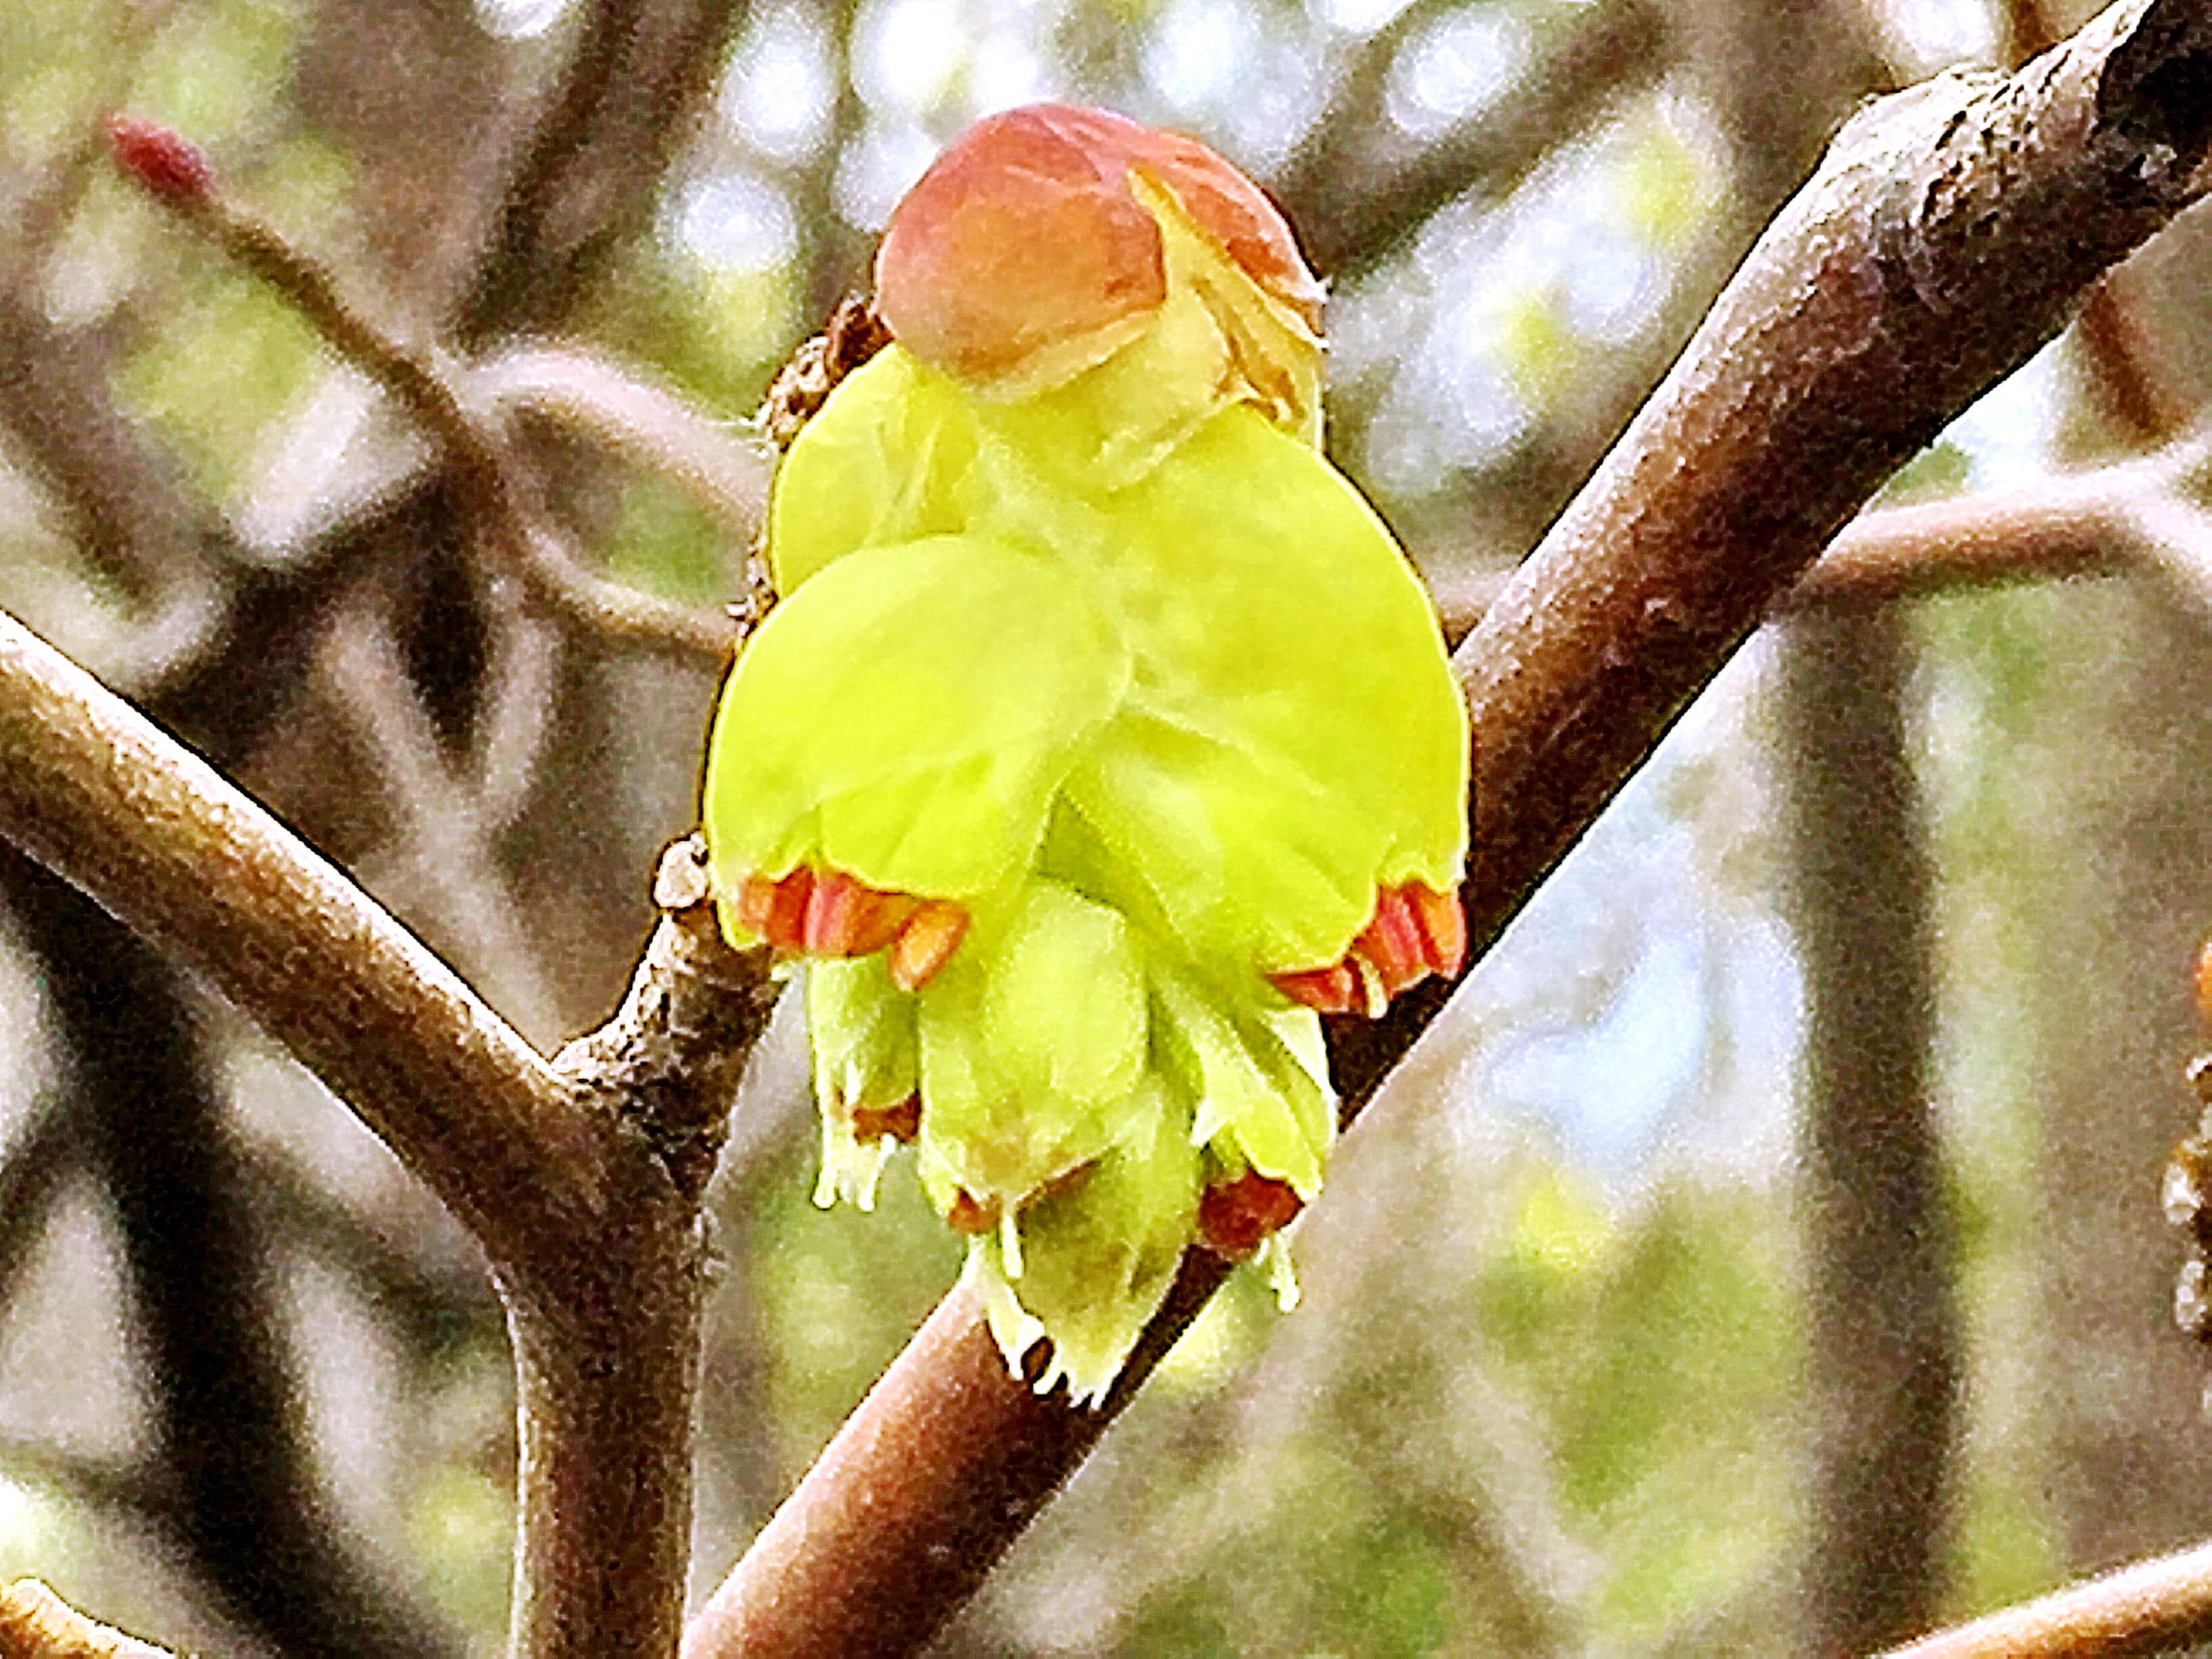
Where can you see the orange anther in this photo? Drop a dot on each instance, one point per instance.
(901, 1122)
(1392, 943)
(775, 907)
(848, 918)
(970, 1216)
(1235, 1217)
(926, 943)
(1332, 990)
(1444, 928)
(880, 920)
(830, 908)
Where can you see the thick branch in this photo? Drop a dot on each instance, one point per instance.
(93, 791)
(242, 1504)
(1940, 245)
(569, 1181)
(608, 1379)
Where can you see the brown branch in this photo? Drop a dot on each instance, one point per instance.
(91, 790)
(1944, 240)
(1882, 1321)
(500, 505)
(2134, 516)
(609, 1382)
(2162, 1606)
(588, 175)
(243, 1505)
(649, 425)
(674, 1051)
(1942, 243)
(94, 792)
(2139, 516)
(36, 1624)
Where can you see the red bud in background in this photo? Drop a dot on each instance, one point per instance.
(160, 159)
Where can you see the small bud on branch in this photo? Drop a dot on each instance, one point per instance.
(162, 159)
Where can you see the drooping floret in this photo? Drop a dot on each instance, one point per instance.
(1101, 735)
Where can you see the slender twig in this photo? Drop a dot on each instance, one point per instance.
(1943, 242)
(36, 1172)
(587, 179)
(1882, 1328)
(500, 502)
(651, 426)
(127, 504)
(2162, 1606)
(2141, 515)
(444, 847)
(1355, 203)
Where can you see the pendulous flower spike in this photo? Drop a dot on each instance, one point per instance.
(1104, 734)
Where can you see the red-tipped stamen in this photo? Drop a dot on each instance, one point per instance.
(775, 907)
(926, 943)
(1235, 1217)
(1391, 942)
(901, 1122)
(1443, 922)
(1332, 990)
(970, 1215)
(848, 918)
(159, 158)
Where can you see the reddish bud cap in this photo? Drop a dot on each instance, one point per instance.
(1024, 238)
(159, 158)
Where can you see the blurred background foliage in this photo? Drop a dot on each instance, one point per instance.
(1762, 1256)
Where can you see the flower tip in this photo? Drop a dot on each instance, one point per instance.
(160, 158)
(1025, 250)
